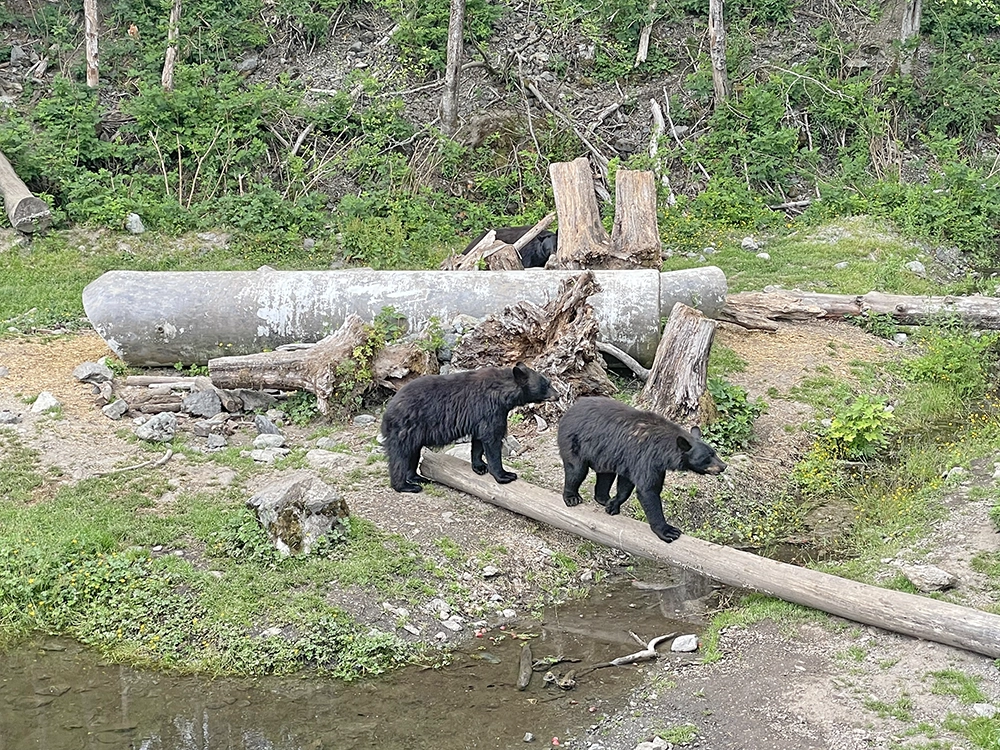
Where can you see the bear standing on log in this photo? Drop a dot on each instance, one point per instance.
(637, 447)
(435, 410)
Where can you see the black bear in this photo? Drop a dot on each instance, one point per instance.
(637, 447)
(435, 410)
(533, 255)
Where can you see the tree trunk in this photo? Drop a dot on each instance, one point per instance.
(909, 28)
(910, 614)
(90, 31)
(755, 309)
(170, 59)
(453, 69)
(717, 51)
(581, 235)
(636, 233)
(26, 212)
(676, 383)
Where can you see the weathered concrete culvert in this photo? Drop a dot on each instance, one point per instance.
(164, 317)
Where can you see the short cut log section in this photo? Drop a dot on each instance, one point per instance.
(27, 213)
(917, 616)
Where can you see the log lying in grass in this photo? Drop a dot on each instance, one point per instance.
(27, 213)
(918, 616)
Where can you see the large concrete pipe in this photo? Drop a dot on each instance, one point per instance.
(162, 318)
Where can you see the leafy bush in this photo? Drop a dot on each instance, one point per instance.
(882, 325)
(733, 430)
(951, 355)
(860, 429)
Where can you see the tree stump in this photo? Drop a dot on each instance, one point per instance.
(636, 233)
(558, 339)
(676, 384)
(26, 212)
(583, 242)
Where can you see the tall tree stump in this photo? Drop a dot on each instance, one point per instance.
(636, 232)
(583, 241)
(26, 212)
(676, 384)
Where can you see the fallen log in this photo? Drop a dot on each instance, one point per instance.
(676, 383)
(27, 213)
(901, 612)
(976, 310)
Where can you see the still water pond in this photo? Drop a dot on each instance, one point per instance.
(57, 696)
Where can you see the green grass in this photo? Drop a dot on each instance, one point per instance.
(77, 560)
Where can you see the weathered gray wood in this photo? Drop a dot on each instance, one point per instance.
(91, 29)
(975, 310)
(917, 616)
(26, 212)
(635, 234)
(583, 241)
(676, 383)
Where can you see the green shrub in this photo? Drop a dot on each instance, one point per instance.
(951, 355)
(733, 430)
(861, 428)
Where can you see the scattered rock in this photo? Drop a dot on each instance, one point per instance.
(215, 442)
(299, 510)
(928, 578)
(254, 400)
(764, 256)
(842, 265)
(322, 459)
(269, 440)
(750, 244)
(160, 428)
(202, 403)
(685, 643)
(491, 571)
(917, 268)
(363, 419)
(134, 224)
(115, 410)
(9, 417)
(45, 402)
(93, 372)
(266, 455)
(265, 426)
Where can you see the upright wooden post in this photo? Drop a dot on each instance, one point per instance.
(636, 233)
(582, 237)
(717, 51)
(170, 59)
(677, 379)
(453, 68)
(910, 614)
(90, 31)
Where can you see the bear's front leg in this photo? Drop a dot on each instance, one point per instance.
(653, 507)
(494, 463)
(574, 476)
(622, 493)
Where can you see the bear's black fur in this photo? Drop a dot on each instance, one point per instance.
(435, 410)
(637, 447)
(533, 255)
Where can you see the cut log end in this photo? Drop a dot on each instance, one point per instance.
(31, 215)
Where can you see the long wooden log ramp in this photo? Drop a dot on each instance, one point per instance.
(917, 616)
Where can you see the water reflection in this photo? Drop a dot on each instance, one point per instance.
(57, 696)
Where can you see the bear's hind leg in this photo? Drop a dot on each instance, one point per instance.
(403, 469)
(649, 498)
(575, 472)
(602, 489)
(478, 464)
(623, 490)
(411, 475)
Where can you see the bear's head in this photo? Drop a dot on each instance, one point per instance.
(534, 386)
(699, 456)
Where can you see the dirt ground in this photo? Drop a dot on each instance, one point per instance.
(823, 684)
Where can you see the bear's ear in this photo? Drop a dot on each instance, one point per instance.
(521, 373)
(683, 444)
(696, 431)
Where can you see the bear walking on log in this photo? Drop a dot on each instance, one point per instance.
(637, 447)
(533, 255)
(435, 410)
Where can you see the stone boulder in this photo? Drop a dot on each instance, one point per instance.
(299, 510)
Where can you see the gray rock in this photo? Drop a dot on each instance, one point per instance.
(9, 417)
(917, 268)
(842, 265)
(528, 737)
(308, 243)
(298, 511)
(657, 743)
(254, 400)
(202, 404)
(363, 419)
(444, 354)
(134, 224)
(265, 426)
(18, 56)
(764, 256)
(453, 623)
(4, 372)
(511, 446)
(158, 429)
(685, 643)
(248, 64)
(215, 424)
(93, 372)
(45, 402)
(491, 571)
(928, 578)
(115, 410)
(321, 459)
(750, 244)
(267, 455)
(986, 710)
(216, 442)
(900, 338)
(269, 440)
(464, 323)
(438, 607)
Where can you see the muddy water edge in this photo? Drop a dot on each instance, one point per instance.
(58, 696)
